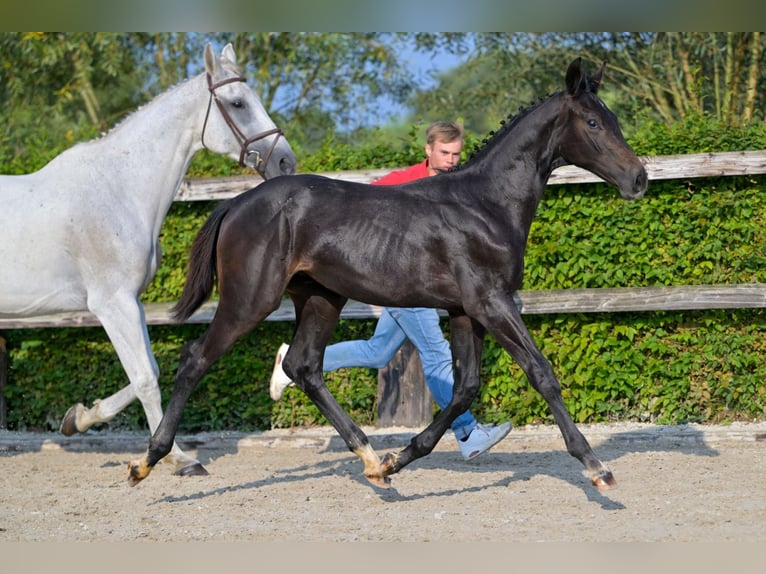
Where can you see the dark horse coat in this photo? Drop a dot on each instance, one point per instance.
(455, 241)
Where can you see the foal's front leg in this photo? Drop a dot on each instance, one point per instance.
(196, 358)
(511, 332)
(123, 320)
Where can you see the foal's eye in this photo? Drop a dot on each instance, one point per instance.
(593, 123)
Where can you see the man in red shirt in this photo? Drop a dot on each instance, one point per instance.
(444, 143)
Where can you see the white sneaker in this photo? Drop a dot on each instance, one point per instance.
(482, 438)
(279, 379)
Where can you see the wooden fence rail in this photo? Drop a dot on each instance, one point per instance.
(638, 299)
(665, 167)
(600, 300)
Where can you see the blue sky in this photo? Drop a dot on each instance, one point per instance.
(424, 67)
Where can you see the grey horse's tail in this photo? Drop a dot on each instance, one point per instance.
(201, 276)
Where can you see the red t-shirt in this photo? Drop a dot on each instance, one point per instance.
(417, 171)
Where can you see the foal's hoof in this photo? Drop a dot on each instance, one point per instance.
(379, 481)
(604, 480)
(389, 463)
(69, 422)
(381, 478)
(137, 472)
(195, 469)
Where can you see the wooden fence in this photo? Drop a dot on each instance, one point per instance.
(531, 302)
(415, 402)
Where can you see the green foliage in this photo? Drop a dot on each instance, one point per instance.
(702, 366)
(706, 232)
(176, 237)
(26, 152)
(52, 369)
(668, 368)
(695, 133)
(333, 155)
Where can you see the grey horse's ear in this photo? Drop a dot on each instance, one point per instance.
(574, 76)
(210, 61)
(228, 54)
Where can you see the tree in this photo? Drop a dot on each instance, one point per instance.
(496, 80)
(65, 72)
(328, 79)
(660, 76)
(671, 75)
(59, 88)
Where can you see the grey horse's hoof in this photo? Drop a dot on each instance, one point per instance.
(69, 422)
(195, 469)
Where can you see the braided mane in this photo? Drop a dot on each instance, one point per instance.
(506, 125)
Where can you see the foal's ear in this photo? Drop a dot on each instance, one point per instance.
(595, 79)
(577, 81)
(574, 77)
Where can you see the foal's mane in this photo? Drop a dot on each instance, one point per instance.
(506, 125)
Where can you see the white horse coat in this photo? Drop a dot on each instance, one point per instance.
(82, 232)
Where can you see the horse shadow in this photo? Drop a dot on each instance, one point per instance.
(522, 464)
(525, 464)
(297, 474)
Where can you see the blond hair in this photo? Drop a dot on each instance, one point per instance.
(446, 132)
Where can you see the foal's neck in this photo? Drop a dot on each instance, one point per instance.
(523, 155)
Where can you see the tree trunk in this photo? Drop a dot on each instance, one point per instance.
(752, 77)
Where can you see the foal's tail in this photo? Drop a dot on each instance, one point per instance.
(202, 264)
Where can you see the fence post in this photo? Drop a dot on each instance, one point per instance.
(3, 380)
(403, 396)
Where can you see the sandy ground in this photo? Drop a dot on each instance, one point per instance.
(679, 483)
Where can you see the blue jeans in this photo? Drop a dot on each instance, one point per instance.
(421, 326)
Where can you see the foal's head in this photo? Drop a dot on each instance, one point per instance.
(591, 137)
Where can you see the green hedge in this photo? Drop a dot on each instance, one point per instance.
(702, 366)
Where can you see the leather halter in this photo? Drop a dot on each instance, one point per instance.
(260, 162)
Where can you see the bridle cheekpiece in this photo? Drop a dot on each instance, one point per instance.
(259, 162)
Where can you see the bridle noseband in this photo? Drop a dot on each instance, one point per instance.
(260, 162)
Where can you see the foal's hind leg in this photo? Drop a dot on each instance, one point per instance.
(316, 317)
(196, 359)
(123, 320)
